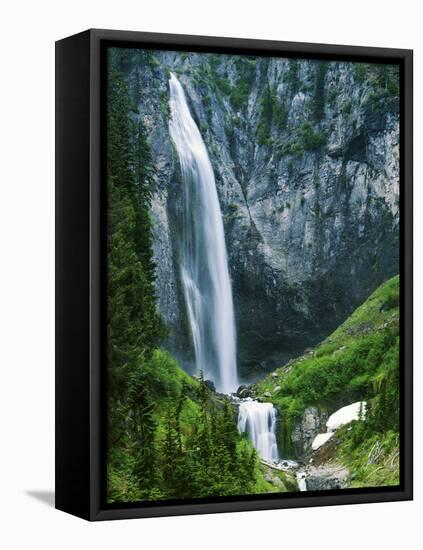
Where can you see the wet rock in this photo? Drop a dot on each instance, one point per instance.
(243, 391)
(290, 221)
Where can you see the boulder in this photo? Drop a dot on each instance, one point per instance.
(305, 430)
(243, 391)
(327, 477)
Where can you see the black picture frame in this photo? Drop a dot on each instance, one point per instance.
(80, 303)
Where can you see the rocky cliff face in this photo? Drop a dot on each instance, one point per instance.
(305, 155)
(305, 430)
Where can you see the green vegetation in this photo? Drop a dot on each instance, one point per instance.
(346, 107)
(283, 482)
(305, 139)
(383, 80)
(241, 90)
(192, 448)
(223, 84)
(372, 457)
(133, 325)
(169, 436)
(240, 93)
(232, 212)
(359, 361)
(164, 104)
(272, 114)
(310, 138)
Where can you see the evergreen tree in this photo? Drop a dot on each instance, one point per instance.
(170, 450)
(180, 404)
(151, 454)
(143, 428)
(229, 435)
(133, 323)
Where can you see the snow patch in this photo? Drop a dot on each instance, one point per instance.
(320, 439)
(345, 415)
(342, 416)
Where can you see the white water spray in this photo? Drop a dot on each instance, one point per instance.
(203, 257)
(301, 480)
(259, 421)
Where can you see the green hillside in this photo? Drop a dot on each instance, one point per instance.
(180, 440)
(359, 361)
(168, 435)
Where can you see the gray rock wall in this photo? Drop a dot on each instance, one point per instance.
(311, 216)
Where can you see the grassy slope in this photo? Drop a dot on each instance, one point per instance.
(166, 379)
(170, 378)
(358, 361)
(372, 463)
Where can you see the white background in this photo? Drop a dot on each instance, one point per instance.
(28, 31)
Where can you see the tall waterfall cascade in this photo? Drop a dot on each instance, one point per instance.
(203, 258)
(259, 421)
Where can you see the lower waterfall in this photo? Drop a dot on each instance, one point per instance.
(301, 480)
(258, 420)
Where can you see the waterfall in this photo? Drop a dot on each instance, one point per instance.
(301, 480)
(259, 421)
(203, 257)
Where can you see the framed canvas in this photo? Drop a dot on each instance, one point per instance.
(233, 274)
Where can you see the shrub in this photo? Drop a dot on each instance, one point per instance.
(346, 108)
(164, 104)
(310, 138)
(239, 94)
(360, 72)
(384, 79)
(297, 149)
(224, 85)
(272, 112)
